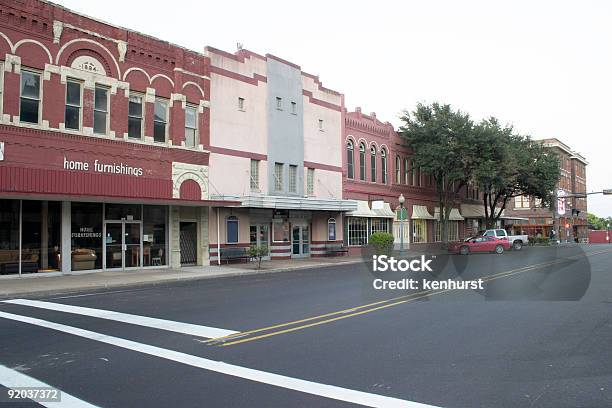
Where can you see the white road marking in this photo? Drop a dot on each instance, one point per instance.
(161, 324)
(296, 384)
(14, 379)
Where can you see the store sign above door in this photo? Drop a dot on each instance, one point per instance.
(98, 167)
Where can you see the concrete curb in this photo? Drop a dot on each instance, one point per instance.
(180, 277)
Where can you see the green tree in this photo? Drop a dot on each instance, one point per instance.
(598, 223)
(258, 252)
(442, 141)
(510, 165)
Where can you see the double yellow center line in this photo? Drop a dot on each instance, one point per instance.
(288, 327)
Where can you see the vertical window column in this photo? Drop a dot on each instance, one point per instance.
(29, 97)
(160, 121)
(100, 117)
(191, 126)
(72, 118)
(135, 117)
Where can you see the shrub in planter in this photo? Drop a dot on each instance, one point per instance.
(382, 243)
(258, 252)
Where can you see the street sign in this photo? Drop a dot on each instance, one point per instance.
(561, 202)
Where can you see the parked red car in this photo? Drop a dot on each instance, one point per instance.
(479, 244)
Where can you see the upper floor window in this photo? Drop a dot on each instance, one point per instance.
(310, 181)
(407, 172)
(521, 202)
(373, 164)
(254, 174)
(362, 158)
(278, 176)
(100, 110)
(292, 178)
(350, 160)
(160, 121)
(398, 170)
(321, 124)
(191, 126)
(135, 117)
(279, 103)
(29, 101)
(416, 176)
(383, 165)
(72, 117)
(294, 108)
(1, 85)
(241, 104)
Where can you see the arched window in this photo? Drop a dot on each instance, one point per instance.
(373, 163)
(362, 162)
(232, 229)
(331, 229)
(350, 160)
(383, 165)
(406, 171)
(398, 170)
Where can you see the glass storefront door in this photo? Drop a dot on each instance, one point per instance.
(122, 244)
(300, 241)
(260, 236)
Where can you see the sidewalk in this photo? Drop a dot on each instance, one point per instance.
(38, 284)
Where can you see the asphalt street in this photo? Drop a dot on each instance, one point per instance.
(538, 335)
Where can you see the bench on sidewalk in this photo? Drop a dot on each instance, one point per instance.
(234, 253)
(335, 249)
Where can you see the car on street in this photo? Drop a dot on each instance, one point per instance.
(479, 243)
(516, 241)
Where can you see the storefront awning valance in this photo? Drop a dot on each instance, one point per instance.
(419, 212)
(292, 203)
(363, 210)
(475, 211)
(382, 210)
(453, 216)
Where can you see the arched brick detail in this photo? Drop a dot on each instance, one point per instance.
(182, 172)
(190, 190)
(90, 53)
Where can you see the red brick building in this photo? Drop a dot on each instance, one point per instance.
(103, 135)
(540, 220)
(377, 169)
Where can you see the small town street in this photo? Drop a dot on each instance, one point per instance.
(539, 335)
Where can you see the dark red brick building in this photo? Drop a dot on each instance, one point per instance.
(104, 135)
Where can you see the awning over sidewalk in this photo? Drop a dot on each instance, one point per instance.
(509, 217)
(478, 211)
(382, 209)
(419, 212)
(453, 216)
(363, 210)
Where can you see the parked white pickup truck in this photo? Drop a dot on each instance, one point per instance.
(517, 241)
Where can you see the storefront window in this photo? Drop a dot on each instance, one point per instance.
(40, 236)
(154, 235)
(232, 230)
(419, 231)
(9, 237)
(127, 212)
(380, 225)
(357, 231)
(331, 229)
(280, 231)
(86, 236)
(453, 231)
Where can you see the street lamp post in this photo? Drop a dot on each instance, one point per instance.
(608, 232)
(401, 200)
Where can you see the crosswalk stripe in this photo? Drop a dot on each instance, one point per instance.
(296, 384)
(10, 378)
(161, 324)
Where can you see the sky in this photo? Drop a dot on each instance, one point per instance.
(543, 66)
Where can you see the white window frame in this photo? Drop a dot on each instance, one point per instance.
(362, 162)
(310, 175)
(79, 106)
(350, 164)
(278, 176)
(2, 88)
(196, 135)
(254, 177)
(166, 102)
(379, 225)
(398, 169)
(293, 170)
(241, 105)
(407, 177)
(373, 158)
(321, 128)
(106, 111)
(383, 166)
(279, 103)
(40, 94)
(357, 237)
(294, 108)
(142, 115)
